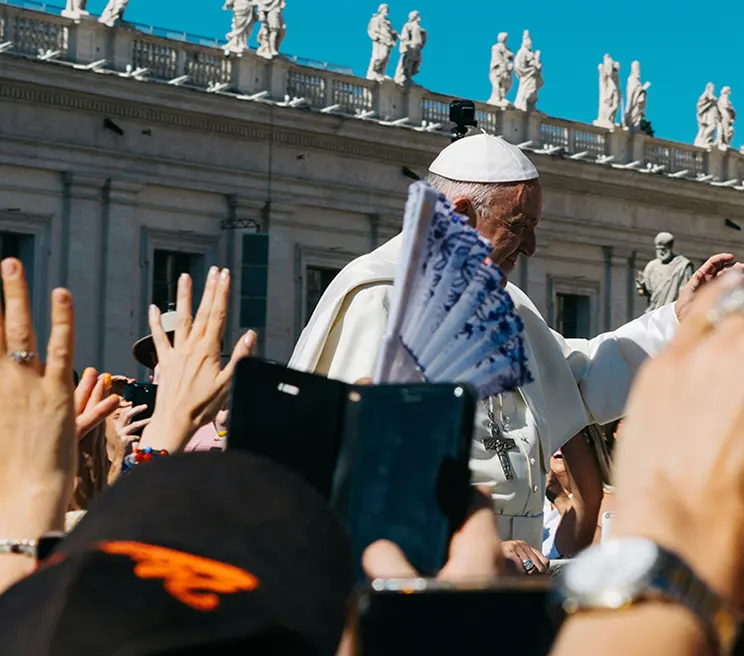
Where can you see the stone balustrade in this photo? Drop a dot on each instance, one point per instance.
(176, 58)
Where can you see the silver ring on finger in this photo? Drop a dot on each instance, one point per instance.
(528, 565)
(730, 302)
(21, 357)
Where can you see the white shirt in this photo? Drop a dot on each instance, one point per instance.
(551, 521)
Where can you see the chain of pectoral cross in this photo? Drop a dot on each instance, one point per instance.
(497, 441)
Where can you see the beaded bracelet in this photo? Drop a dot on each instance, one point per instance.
(21, 547)
(139, 456)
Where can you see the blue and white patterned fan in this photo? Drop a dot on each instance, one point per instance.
(450, 319)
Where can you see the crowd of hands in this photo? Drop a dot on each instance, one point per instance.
(679, 469)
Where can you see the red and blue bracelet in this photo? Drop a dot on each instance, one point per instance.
(139, 456)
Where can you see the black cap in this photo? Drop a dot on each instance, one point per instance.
(213, 551)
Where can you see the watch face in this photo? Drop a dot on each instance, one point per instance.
(611, 574)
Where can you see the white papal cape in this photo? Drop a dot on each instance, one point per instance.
(576, 381)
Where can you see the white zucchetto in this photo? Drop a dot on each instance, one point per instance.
(483, 158)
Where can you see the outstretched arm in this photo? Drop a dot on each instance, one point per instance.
(612, 360)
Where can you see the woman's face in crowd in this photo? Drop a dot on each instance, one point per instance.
(557, 464)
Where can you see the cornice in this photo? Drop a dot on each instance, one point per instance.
(641, 188)
(188, 120)
(187, 110)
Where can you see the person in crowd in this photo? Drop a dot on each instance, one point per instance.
(153, 569)
(576, 382)
(654, 588)
(674, 495)
(572, 500)
(210, 437)
(39, 402)
(613, 432)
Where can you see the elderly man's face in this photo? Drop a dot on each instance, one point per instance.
(510, 221)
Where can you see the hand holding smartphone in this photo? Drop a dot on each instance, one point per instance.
(392, 459)
(141, 394)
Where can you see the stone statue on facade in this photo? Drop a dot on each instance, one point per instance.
(635, 98)
(412, 42)
(273, 29)
(502, 72)
(708, 116)
(726, 118)
(113, 12)
(663, 278)
(528, 68)
(243, 22)
(75, 9)
(609, 93)
(384, 38)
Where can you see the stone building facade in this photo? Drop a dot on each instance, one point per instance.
(114, 179)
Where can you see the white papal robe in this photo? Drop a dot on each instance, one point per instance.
(576, 381)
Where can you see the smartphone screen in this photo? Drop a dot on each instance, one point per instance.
(403, 473)
(141, 394)
(513, 618)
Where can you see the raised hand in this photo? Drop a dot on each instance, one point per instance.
(121, 435)
(192, 385)
(37, 417)
(714, 266)
(679, 467)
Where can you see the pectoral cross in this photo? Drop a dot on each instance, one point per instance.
(499, 442)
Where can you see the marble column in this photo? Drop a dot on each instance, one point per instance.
(630, 290)
(607, 252)
(374, 231)
(120, 295)
(82, 259)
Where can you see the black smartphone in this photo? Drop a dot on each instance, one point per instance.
(288, 416)
(427, 617)
(403, 474)
(141, 394)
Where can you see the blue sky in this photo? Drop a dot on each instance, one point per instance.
(681, 45)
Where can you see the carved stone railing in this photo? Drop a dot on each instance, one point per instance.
(675, 157)
(167, 60)
(38, 31)
(574, 138)
(34, 32)
(324, 89)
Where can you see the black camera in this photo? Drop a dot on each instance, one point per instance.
(462, 114)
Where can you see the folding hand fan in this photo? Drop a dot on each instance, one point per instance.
(450, 319)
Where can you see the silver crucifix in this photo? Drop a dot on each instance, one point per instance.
(498, 442)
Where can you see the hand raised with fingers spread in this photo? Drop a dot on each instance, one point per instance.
(192, 385)
(37, 415)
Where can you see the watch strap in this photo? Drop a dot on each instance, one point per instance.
(675, 582)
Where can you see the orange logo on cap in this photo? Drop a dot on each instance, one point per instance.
(193, 580)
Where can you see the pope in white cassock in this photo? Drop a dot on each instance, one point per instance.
(576, 381)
